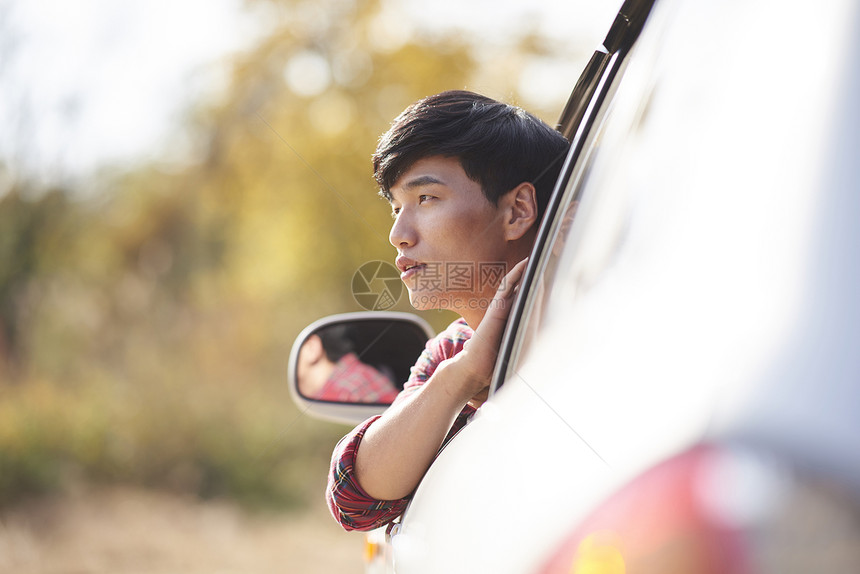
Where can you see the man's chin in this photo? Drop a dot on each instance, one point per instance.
(420, 301)
(423, 300)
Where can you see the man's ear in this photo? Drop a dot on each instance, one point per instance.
(520, 210)
(314, 348)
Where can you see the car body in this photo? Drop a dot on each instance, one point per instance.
(693, 295)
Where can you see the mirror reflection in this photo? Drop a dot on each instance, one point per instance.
(357, 361)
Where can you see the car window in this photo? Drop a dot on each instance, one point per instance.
(582, 123)
(590, 221)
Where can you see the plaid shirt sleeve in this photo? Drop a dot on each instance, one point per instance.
(350, 505)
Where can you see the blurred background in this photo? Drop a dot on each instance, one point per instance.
(183, 187)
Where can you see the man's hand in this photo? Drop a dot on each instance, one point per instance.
(398, 448)
(473, 366)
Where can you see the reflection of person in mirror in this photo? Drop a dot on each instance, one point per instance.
(328, 370)
(468, 179)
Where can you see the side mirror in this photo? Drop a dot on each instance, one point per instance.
(346, 368)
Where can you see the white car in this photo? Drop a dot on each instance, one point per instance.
(679, 384)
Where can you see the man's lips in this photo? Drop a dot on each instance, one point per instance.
(407, 266)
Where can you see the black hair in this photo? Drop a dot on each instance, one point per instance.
(498, 145)
(336, 341)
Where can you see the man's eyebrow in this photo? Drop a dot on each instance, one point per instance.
(421, 181)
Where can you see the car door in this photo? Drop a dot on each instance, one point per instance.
(692, 261)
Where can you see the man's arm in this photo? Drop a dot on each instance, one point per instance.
(398, 448)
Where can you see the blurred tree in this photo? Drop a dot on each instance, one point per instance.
(25, 227)
(287, 163)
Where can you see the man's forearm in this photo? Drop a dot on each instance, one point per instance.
(398, 448)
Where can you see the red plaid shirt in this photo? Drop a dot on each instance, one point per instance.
(350, 505)
(353, 381)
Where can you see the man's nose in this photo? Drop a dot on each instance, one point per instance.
(402, 232)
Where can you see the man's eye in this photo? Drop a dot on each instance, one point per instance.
(423, 198)
(395, 211)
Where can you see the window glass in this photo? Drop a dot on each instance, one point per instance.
(591, 222)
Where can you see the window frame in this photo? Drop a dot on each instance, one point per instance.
(584, 111)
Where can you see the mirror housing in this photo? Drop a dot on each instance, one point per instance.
(346, 368)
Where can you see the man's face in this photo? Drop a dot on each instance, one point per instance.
(449, 237)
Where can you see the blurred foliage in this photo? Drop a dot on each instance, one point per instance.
(144, 331)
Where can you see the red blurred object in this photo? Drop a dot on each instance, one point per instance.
(660, 523)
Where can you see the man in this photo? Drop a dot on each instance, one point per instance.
(468, 179)
(329, 370)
